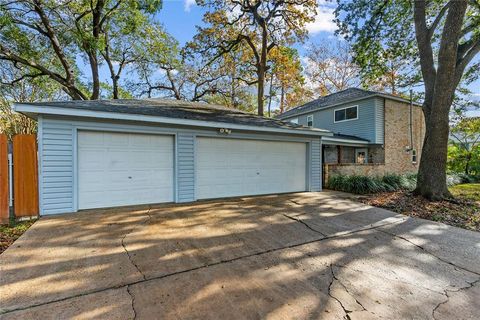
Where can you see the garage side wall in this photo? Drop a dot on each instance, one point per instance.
(56, 150)
(316, 165)
(57, 145)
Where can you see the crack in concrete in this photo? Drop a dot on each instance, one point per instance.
(304, 223)
(446, 291)
(132, 298)
(347, 316)
(125, 247)
(428, 252)
(4, 311)
(335, 278)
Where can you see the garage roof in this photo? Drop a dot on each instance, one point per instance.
(166, 111)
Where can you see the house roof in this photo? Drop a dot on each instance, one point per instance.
(341, 97)
(165, 111)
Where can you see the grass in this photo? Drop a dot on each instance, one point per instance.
(470, 191)
(8, 234)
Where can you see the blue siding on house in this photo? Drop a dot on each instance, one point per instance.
(369, 124)
(316, 165)
(185, 167)
(57, 157)
(56, 171)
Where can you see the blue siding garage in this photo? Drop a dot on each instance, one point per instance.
(65, 180)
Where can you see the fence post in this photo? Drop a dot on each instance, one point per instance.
(4, 186)
(25, 175)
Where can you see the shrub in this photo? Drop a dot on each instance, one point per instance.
(365, 184)
(389, 182)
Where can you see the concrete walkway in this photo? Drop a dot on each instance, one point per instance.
(296, 256)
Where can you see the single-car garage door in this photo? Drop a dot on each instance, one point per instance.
(235, 167)
(118, 169)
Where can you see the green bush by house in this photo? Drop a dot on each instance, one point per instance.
(390, 182)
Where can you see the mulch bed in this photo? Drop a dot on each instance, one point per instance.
(461, 213)
(8, 234)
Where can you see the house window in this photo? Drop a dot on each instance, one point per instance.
(310, 120)
(294, 120)
(361, 155)
(344, 114)
(414, 156)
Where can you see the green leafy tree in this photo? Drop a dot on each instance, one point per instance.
(47, 39)
(12, 123)
(464, 152)
(443, 37)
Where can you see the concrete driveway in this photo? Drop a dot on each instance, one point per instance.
(296, 256)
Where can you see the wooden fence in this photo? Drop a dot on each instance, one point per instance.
(24, 178)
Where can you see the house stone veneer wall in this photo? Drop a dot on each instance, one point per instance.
(397, 136)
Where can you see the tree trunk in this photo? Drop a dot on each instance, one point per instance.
(92, 57)
(432, 178)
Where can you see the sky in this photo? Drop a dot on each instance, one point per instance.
(180, 18)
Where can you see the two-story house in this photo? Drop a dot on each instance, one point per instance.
(374, 133)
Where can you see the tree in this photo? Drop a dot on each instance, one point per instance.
(330, 68)
(12, 123)
(259, 25)
(465, 137)
(444, 37)
(45, 38)
(286, 83)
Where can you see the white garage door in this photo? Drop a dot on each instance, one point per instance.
(234, 167)
(118, 169)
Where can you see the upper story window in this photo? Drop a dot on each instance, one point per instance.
(294, 120)
(414, 156)
(345, 114)
(310, 120)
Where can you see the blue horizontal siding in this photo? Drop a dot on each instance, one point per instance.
(185, 167)
(56, 167)
(369, 124)
(315, 165)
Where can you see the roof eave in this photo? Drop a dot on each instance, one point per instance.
(34, 110)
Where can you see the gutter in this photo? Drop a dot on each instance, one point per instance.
(334, 140)
(30, 110)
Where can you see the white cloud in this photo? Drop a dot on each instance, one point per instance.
(188, 4)
(324, 20)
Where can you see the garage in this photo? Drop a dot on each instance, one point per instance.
(113, 153)
(237, 167)
(118, 169)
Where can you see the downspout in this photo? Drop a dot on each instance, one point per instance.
(411, 120)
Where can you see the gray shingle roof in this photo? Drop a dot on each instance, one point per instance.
(350, 94)
(175, 109)
(349, 137)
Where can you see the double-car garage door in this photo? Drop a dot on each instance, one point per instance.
(117, 169)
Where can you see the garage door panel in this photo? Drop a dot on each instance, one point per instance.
(117, 169)
(235, 167)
